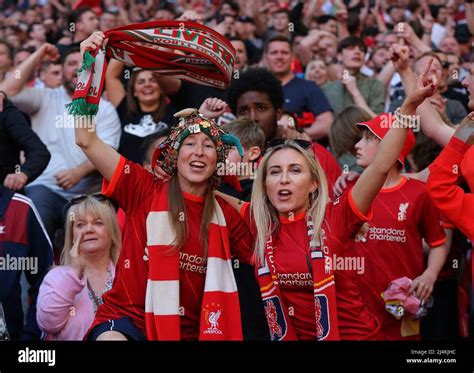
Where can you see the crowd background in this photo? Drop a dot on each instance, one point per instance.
(332, 59)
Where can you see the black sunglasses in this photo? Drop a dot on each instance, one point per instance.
(277, 142)
(97, 196)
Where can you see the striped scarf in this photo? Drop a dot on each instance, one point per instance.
(220, 310)
(181, 49)
(325, 312)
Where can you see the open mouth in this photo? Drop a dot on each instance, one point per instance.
(284, 194)
(89, 240)
(196, 165)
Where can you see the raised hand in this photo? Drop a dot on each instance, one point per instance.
(49, 52)
(77, 260)
(93, 42)
(399, 55)
(425, 87)
(213, 107)
(465, 130)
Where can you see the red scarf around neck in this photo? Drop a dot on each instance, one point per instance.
(220, 309)
(325, 311)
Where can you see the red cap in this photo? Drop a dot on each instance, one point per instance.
(381, 124)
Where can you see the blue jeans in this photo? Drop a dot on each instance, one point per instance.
(50, 206)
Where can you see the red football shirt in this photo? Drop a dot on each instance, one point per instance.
(293, 265)
(134, 188)
(402, 216)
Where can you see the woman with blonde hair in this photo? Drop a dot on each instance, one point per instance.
(305, 270)
(71, 293)
(174, 276)
(317, 71)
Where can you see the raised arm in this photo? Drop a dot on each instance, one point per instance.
(17, 81)
(373, 178)
(101, 155)
(432, 124)
(113, 85)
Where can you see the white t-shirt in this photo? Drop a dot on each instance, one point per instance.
(55, 128)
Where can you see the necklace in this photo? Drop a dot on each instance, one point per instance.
(94, 296)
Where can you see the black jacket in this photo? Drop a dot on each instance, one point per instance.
(25, 244)
(16, 135)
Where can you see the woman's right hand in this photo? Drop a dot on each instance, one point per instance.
(77, 260)
(93, 42)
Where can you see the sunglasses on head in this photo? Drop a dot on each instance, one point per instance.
(78, 199)
(277, 142)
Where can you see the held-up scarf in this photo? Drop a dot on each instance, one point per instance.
(325, 312)
(181, 49)
(220, 310)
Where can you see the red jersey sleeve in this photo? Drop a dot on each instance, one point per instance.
(129, 186)
(241, 240)
(445, 194)
(345, 218)
(431, 224)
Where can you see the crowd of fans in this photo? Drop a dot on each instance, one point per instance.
(324, 72)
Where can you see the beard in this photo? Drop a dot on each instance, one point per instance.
(69, 86)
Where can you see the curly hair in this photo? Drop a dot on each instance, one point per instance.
(255, 79)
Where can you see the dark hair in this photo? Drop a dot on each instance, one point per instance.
(351, 41)
(376, 49)
(46, 64)
(285, 11)
(10, 50)
(68, 52)
(278, 38)
(425, 151)
(233, 5)
(133, 105)
(321, 20)
(77, 14)
(434, 9)
(255, 79)
(236, 38)
(30, 27)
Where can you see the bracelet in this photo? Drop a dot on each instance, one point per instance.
(406, 121)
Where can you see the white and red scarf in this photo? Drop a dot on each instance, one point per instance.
(181, 49)
(325, 312)
(220, 310)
